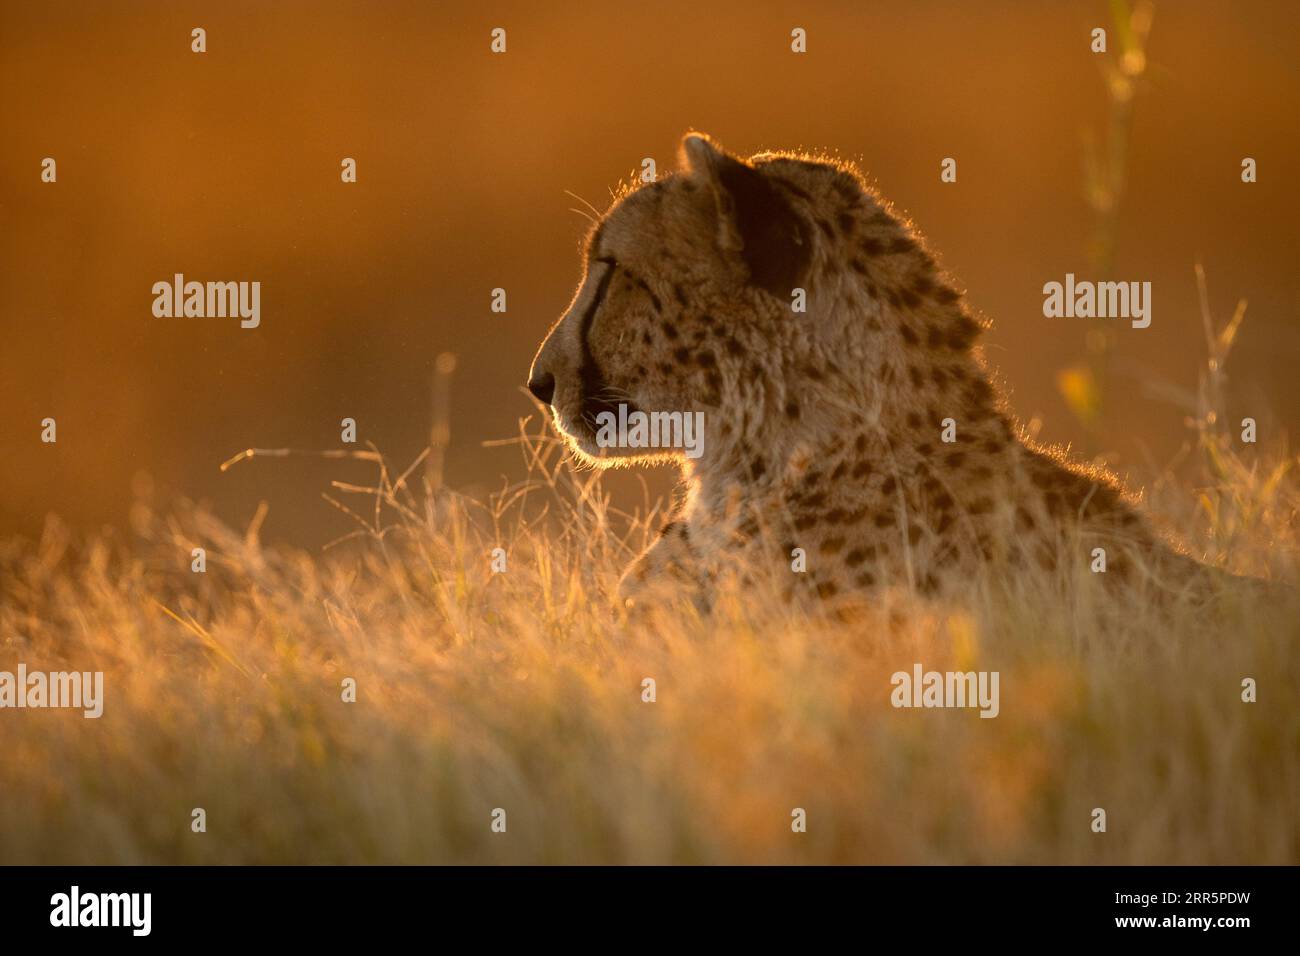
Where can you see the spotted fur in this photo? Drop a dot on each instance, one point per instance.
(823, 429)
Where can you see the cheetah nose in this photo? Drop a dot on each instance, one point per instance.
(543, 387)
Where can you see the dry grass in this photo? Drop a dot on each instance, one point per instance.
(522, 690)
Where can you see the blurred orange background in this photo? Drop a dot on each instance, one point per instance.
(225, 166)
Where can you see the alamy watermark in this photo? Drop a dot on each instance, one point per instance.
(201, 300)
(922, 688)
(74, 908)
(637, 429)
(1101, 300)
(79, 690)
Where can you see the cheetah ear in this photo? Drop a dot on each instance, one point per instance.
(755, 221)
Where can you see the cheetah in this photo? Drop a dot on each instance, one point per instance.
(861, 434)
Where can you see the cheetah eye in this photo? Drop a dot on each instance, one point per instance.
(607, 260)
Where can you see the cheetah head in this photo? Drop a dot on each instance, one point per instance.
(683, 278)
